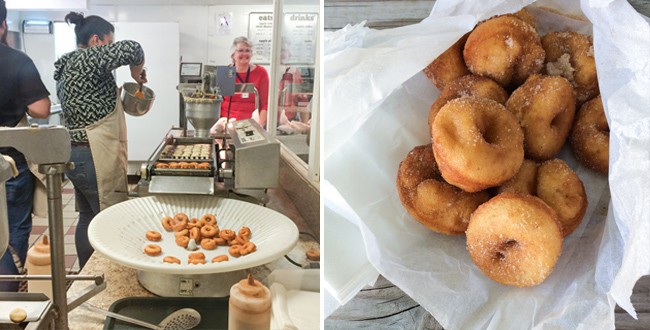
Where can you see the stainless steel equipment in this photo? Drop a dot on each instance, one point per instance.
(49, 147)
(134, 105)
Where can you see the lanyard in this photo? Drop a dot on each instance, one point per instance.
(248, 73)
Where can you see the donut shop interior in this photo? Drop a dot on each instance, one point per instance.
(218, 222)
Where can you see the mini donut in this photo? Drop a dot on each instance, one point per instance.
(181, 217)
(560, 188)
(171, 260)
(153, 236)
(17, 315)
(203, 166)
(515, 239)
(220, 258)
(313, 254)
(196, 255)
(208, 244)
(209, 231)
(161, 165)
(195, 233)
(448, 66)
(167, 223)
(235, 251)
(152, 250)
(430, 200)
(571, 55)
(194, 164)
(173, 165)
(182, 241)
(545, 107)
(244, 231)
(184, 232)
(524, 182)
(247, 248)
(185, 165)
(469, 85)
(241, 239)
(590, 136)
(525, 16)
(196, 261)
(209, 219)
(194, 222)
(506, 49)
(220, 241)
(227, 234)
(477, 143)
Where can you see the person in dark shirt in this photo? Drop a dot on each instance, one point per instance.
(95, 118)
(21, 92)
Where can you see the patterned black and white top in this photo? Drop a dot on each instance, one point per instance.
(85, 82)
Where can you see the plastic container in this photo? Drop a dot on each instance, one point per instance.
(39, 263)
(249, 306)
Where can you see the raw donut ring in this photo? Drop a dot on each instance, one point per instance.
(195, 233)
(208, 244)
(182, 241)
(167, 223)
(220, 258)
(194, 222)
(209, 219)
(477, 143)
(544, 106)
(571, 55)
(514, 239)
(209, 231)
(506, 49)
(448, 66)
(557, 185)
(235, 250)
(227, 234)
(247, 248)
(171, 260)
(313, 254)
(590, 136)
(430, 200)
(560, 188)
(152, 250)
(244, 231)
(153, 236)
(470, 85)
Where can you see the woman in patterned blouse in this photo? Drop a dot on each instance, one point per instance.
(87, 90)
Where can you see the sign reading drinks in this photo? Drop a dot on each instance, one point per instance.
(299, 33)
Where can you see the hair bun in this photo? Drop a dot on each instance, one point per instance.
(74, 18)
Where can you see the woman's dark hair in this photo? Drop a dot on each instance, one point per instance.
(86, 27)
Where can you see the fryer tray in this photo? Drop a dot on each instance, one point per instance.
(214, 311)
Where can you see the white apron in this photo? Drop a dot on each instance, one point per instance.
(107, 139)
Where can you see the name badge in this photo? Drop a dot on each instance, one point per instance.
(244, 95)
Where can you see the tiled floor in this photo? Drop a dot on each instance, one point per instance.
(70, 217)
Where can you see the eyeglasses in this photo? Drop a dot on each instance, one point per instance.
(247, 50)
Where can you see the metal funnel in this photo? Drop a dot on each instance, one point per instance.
(201, 110)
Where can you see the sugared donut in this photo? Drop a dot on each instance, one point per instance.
(167, 223)
(469, 85)
(524, 182)
(525, 16)
(448, 66)
(430, 200)
(590, 136)
(571, 55)
(477, 143)
(506, 49)
(153, 236)
(560, 188)
(152, 250)
(514, 239)
(171, 260)
(557, 185)
(545, 107)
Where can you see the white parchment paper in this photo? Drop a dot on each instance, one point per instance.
(376, 102)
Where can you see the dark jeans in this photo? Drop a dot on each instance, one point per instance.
(84, 180)
(20, 194)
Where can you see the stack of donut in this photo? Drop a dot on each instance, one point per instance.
(508, 105)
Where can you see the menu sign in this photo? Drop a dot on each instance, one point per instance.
(299, 32)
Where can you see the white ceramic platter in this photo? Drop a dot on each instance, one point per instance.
(118, 232)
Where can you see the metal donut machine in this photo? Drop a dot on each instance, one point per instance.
(240, 162)
(42, 313)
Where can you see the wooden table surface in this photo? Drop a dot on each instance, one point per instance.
(383, 305)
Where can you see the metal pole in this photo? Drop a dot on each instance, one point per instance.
(53, 174)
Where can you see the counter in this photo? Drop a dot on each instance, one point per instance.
(121, 281)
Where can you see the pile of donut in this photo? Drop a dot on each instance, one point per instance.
(204, 233)
(507, 106)
(184, 165)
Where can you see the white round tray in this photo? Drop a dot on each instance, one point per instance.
(118, 233)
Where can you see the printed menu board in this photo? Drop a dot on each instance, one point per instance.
(299, 32)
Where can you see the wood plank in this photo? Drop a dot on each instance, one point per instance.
(378, 14)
